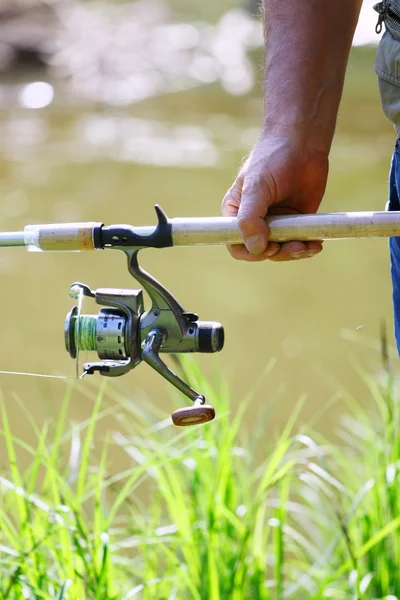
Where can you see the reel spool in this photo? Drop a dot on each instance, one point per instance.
(103, 333)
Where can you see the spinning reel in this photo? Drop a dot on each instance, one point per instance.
(123, 334)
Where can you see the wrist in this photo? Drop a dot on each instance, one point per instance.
(297, 138)
(311, 117)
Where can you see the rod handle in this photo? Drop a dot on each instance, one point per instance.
(67, 237)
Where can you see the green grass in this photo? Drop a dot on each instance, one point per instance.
(203, 513)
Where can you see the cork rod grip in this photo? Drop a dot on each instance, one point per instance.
(67, 237)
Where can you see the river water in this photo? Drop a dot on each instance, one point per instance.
(169, 123)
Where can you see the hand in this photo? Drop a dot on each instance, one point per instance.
(281, 176)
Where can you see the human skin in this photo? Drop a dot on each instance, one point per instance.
(307, 44)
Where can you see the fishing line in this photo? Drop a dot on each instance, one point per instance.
(79, 298)
(85, 339)
(84, 332)
(35, 375)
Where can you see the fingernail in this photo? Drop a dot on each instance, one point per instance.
(300, 254)
(272, 251)
(255, 244)
(310, 254)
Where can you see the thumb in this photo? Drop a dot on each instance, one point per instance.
(251, 215)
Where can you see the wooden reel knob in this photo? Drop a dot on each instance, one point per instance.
(193, 415)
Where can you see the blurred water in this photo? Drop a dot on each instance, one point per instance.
(139, 108)
(119, 54)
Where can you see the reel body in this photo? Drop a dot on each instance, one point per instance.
(123, 335)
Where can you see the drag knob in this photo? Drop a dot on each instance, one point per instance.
(193, 415)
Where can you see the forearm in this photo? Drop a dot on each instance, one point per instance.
(307, 43)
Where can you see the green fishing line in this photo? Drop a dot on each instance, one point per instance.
(85, 334)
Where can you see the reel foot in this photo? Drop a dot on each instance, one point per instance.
(193, 415)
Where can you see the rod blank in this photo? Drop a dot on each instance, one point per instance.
(285, 228)
(12, 238)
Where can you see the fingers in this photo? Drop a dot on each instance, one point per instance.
(248, 199)
(278, 252)
(232, 204)
(231, 201)
(240, 252)
(296, 251)
(255, 200)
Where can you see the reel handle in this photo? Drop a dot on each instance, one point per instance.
(189, 415)
(193, 415)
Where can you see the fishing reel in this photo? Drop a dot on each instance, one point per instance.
(123, 334)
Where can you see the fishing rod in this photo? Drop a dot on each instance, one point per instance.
(122, 333)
